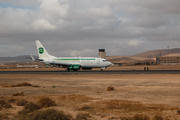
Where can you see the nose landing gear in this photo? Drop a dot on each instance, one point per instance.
(102, 68)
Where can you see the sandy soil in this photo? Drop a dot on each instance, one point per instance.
(148, 89)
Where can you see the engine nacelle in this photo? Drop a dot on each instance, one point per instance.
(74, 67)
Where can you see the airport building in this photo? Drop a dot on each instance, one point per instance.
(102, 53)
(165, 60)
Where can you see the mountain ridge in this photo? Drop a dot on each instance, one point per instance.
(148, 56)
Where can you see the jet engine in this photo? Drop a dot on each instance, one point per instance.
(74, 67)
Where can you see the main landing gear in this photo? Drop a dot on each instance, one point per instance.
(69, 70)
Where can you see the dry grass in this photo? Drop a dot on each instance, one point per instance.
(140, 117)
(18, 94)
(84, 107)
(7, 105)
(17, 85)
(120, 104)
(155, 90)
(3, 116)
(46, 102)
(20, 85)
(12, 100)
(137, 117)
(28, 108)
(2, 102)
(22, 102)
(158, 117)
(128, 110)
(126, 118)
(49, 114)
(82, 116)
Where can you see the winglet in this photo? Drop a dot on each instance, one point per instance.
(32, 57)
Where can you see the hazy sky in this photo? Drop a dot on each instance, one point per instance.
(81, 27)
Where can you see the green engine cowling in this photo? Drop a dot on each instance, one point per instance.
(74, 67)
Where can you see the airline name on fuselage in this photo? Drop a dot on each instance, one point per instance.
(75, 59)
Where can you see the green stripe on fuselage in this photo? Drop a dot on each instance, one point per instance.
(88, 59)
(76, 59)
(66, 59)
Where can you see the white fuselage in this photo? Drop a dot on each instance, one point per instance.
(86, 62)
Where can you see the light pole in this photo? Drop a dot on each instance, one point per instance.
(168, 54)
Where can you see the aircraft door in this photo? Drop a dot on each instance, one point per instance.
(98, 61)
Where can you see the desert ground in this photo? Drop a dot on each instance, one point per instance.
(145, 94)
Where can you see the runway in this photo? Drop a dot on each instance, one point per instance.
(95, 72)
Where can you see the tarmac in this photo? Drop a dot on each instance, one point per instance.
(95, 72)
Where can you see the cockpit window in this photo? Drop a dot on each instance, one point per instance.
(105, 61)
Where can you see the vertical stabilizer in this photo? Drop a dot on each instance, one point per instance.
(42, 51)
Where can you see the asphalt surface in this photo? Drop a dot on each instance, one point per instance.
(95, 72)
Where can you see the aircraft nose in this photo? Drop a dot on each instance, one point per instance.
(110, 63)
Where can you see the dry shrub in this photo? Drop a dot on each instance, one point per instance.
(12, 100)
(85, 107)
(158, 117)
(82, 116)
(46, 102)
(21, 85)
(3, 116)
(18, 94)
(110, 88)
(29, 107)
(113, 118)
(2, 102)
(123, 104)
(127, 106)
(178, 112)
(126, 118)
(140, 117)
(49, 114)
(156, 107)
(22, 102)
(7, 105)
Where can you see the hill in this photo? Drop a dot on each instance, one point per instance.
(149, 56)
(154, 53)
(17, 59)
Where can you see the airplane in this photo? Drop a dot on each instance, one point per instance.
(70, 63)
